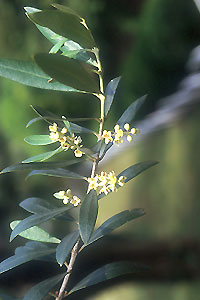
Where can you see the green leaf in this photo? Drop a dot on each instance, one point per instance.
(70, 48)
(41, 165)
(88, 215)
(106, 272)
(57, 46)
(42, 139)
(30, 74)
(79, 129)
(57, 173)
(35, 233)
(131, 111)
(110, 93)
(65, 24)
(49, 34)
(43, 156)
(32, 250)
(65, 247)
(77, 74)
(31, 10)
(136, 169)
(66, 9)
(115, 222)
(37, 206)
(40, 290)
(37, 219)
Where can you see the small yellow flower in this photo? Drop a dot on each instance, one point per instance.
(78, 153)
(107, 135)
(53, 127)
(133, 131)
(104, 190)
(112, 180)
(116, 127)
(60, 195)
(67, 196)
(75, 201)
(126, 127)
(62, 138)
(118, 140)
(118, 135)
(65, 200)
(93, 183)
(118, 132)
(77, 140)
(105, 182)
(64, 130)
(129, 138)
(102, 178)
(54, 136)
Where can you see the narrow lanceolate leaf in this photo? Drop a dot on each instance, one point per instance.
(49, 34)
(57, 173)
(88, 215)
(43, 156)
(39, 140)
(37, 206)
(131, 111)
(66, 9)
(30, 74)
(42, 166)
(69, 48)
(57, 46)
(136, 169)
(69, 71)
(40, 290)
(35, 233)
(79, 129)
(110, 93)
(65, 247)
(65, 24)
(115, 222)
(37, 219)
(32, 250)
(106, 272)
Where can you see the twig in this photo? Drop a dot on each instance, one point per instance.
(69, 270)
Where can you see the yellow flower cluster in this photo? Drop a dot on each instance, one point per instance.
(72, 142)
(67, 196)
(117, 135)
(105, 182)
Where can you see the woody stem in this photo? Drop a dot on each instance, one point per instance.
(69, 270)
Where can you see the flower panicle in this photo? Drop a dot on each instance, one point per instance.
(67, 141)
(116, 136)
(105, 182)
(67, 197)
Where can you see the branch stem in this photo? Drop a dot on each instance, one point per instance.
(69, 270)
(75, 250)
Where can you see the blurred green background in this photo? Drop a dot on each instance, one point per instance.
(148, 43)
